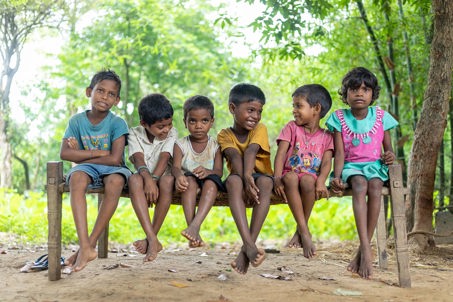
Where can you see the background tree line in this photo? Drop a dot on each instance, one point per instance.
(182, 48)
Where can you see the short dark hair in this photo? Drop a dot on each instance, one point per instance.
(244, 92)
(106, 74)
(315, 94)
(354, 79)
(198, 102)
(154, 107)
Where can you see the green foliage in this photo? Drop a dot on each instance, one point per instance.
(26, 216)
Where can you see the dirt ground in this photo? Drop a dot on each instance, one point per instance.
(204, 274)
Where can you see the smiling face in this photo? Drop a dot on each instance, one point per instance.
(302, 111)
(359, 98)
(198, 122)
(104, 95)
(159, 129)
(246, 115)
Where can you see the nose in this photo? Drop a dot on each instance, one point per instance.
(256, 115)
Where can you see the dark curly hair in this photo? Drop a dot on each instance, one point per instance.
(354, 79)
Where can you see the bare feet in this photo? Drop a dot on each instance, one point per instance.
(70, 261)
(309, 247)
(252, 252)
(354, 265)
(295, 242)
(83, 257)
(241, 263)
(141, 246)
(193, 235)
(152, 249)
(366, 266)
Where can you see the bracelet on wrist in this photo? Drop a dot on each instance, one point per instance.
(139, 169)
(155, 177)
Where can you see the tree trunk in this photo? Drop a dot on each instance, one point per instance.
(26, 173)
(450, 190)
(431, 126)
(5, 155)
(441, 181)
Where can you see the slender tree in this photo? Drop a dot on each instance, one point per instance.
(18, 19)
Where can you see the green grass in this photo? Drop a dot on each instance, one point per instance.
(25, 215)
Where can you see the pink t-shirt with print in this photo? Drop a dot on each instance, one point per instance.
(306, 150)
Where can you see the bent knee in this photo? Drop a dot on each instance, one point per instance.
(114, 180)
(290, 178)
(233, 180)
(265, 183)
(79, 179)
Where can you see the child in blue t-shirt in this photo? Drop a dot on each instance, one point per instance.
(95, 141)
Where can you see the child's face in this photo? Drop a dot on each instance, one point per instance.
(198, 122)
(359, 98)
(246, 115)
(303, 113)
(104, 95)
(159, 129)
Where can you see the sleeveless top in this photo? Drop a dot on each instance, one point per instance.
(192, 159)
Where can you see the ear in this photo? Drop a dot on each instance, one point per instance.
(88, 91)
(317, 108)
(142, 123)
(231, 107)
(117, 100)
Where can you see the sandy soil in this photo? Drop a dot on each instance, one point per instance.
(183, 274)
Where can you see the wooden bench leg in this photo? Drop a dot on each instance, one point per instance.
(54, 200)
(103, 241)
(381, 237)
(397, 192)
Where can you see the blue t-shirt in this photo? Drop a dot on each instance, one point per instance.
(100, 136)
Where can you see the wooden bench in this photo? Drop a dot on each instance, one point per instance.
(396, 191)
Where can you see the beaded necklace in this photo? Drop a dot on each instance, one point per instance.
(361, 137)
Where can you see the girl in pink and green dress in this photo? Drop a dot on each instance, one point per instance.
(363, 151)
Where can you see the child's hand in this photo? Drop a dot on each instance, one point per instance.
(72, 143)
(181, 183)
(200, 172)
(321, 190)
(279, 188)
(151, 192)
(251, 190)
(388, 157)
(337, 186)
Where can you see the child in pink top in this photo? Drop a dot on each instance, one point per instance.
(304, 160)
(360, 134)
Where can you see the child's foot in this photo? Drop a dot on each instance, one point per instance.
(153, 248)
(241, 263)
(141, 246)
(354, 265)
(197, 243)
(295, 242)
(83, 257)
(258, 255)
(309, 247)
(193, 235)
(70, 261)
(366, 266)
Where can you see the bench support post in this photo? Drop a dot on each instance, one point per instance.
(397, 193)
(103, 241)
(54, 200)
